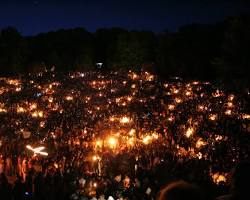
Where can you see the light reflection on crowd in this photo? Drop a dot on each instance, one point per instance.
(119, 134)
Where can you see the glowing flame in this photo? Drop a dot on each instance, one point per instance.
(125, 120)
(175, 91)
(146, 139)
(3, 110)
(218, 137)
(231, 97)
(98, 143)
(201, 107)
(20, 109)
(18, 89)
(112, 119)
(199, 155)
(95, 158)
(133, 86)
(13, 82)
(131, 132)
(37, 114)
(230, 104)
(131, 141)
(213, 117)
(245, 116)
(178, 100)
(228, 112)
(112, 142)
(171, 118)
(218, 178)
(165, 85)
(200, 143)
(33, 106)
(134, 76)
(42, 124)
(69, 98)
(171, 107)
(189, 132)
(50, 99)
(129, 98)
(217, 94)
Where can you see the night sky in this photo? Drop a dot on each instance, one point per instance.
(32, 17)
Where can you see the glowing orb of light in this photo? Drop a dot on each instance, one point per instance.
(125, 120)
(112, 142)
(189, 132)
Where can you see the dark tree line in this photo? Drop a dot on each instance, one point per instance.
(207, 52)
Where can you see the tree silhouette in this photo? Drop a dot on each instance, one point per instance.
(12, 51)
(206, 52)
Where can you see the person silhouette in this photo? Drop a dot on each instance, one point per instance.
(180, 190)
(240, 188)
(5, 188)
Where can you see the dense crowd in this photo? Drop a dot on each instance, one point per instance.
(117, 135)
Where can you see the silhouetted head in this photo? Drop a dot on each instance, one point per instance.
(241, 178)
(180, 190)
(3, 179)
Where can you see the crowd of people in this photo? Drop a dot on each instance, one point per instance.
(117, 135)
